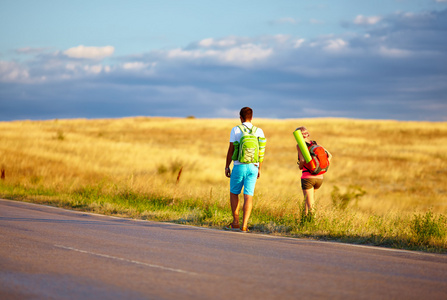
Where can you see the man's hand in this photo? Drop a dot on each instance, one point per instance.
(228, 172)
(228, 162)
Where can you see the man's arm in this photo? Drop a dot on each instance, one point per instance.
(228, 162)
(259, 169)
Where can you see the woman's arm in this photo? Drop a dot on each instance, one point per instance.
(301, 160)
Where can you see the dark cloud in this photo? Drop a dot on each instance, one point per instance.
(393, 69)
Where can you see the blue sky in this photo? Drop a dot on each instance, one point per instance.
(383, 59)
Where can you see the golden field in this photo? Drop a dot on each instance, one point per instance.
(384, 168)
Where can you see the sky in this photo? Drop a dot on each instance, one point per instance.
(360, 59)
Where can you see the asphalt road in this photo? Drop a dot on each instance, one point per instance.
(51, 253)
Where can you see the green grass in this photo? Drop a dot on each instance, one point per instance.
(422, 232)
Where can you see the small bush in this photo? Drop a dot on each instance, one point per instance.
(426, 227)
(342, 201)
(161, 169)
(174, 166)
(60, 135)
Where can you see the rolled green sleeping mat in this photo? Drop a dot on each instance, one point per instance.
(262, 142)
(302, 144)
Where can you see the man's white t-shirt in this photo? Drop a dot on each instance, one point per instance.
(236, 133)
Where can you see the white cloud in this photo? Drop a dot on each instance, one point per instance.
(210, 42)
(281, 38)
(71, 67)
(246, 53)
(316, 22)
(79, 70)
(30, 50)
(93, 69)
(206, 42)
(393, 52)
(11, 71)
(364, 20)
(241, 54)
(299, 43)
(137, 65)
(90, 52)
(335, 45)
(227, 42)
(189, 54)
(287, 21)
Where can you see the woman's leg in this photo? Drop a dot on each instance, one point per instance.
(309, 196)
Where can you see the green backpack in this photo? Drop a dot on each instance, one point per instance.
(250, 148)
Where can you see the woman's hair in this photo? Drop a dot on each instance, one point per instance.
(246, 113)
(301, 128)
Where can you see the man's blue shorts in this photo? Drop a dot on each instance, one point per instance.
(243, 175)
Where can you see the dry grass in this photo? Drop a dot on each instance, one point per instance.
(400, 166)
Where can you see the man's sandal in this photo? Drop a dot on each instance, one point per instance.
(245, 229)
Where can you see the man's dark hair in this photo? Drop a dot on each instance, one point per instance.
(246, 113)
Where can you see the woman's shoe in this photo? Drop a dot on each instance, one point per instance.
(232, 227)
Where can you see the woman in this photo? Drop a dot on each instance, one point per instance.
(309, 182)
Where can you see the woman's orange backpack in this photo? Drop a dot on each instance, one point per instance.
(320, 161)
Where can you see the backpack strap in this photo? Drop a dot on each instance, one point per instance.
(251, 130)
(243, 128)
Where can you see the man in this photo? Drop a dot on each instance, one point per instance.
(243, 175)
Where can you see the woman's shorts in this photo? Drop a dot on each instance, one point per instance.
(243, 175)
(311, 183)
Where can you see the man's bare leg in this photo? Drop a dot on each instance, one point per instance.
(234, 201)
(248, 205)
